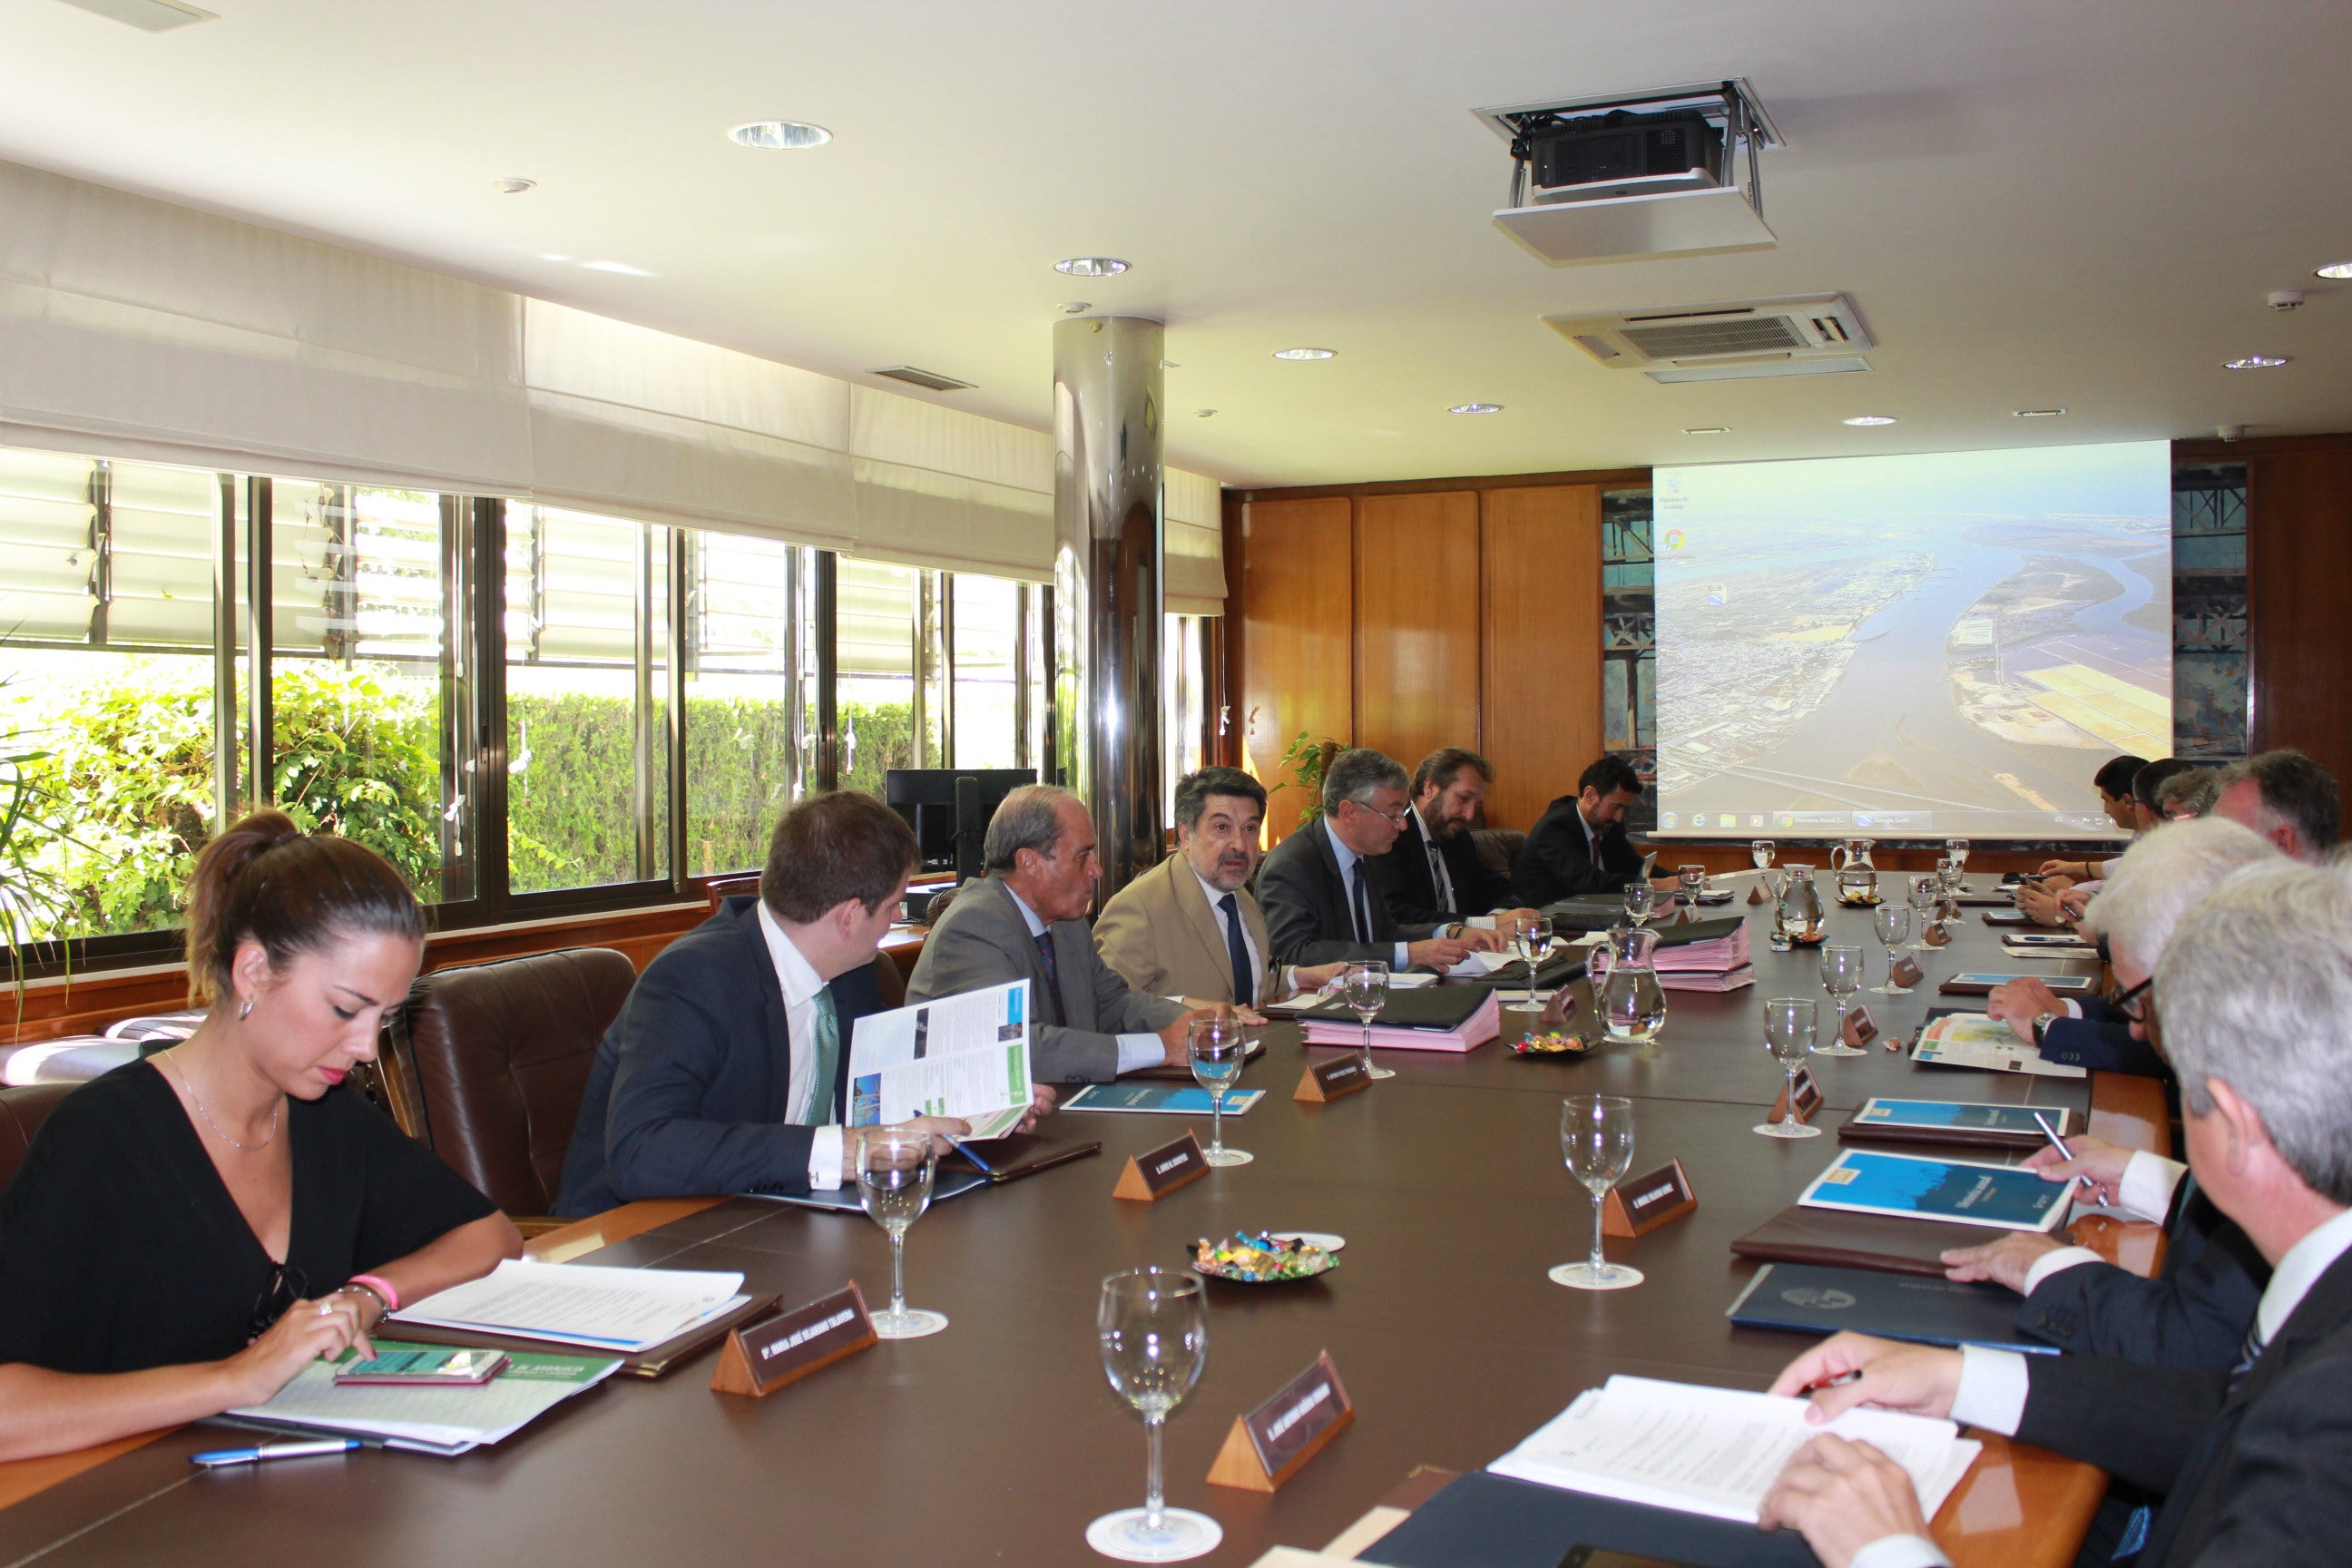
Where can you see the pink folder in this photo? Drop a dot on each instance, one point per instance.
(1479, 1028)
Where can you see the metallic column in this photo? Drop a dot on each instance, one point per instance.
(1107, 601)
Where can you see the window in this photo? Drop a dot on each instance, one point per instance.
(587, 688)
(1185, 701)
(881, 678)
(987, 648)
(751, 694)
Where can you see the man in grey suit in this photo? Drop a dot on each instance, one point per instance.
(1321, 902)
(2254, 1463)
(1026, 920)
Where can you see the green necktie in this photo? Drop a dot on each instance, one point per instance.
(828, 1061)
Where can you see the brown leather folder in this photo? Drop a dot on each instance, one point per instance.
(1852, 1130)
(1842, 1240)
(1022, 1154)
(651, 1362)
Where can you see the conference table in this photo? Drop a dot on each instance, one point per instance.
(998, 1439)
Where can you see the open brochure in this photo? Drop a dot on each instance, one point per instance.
(444, 1421)
(1977, 1040)
(1715, 1451)
(627, 1309)
(965, 1055)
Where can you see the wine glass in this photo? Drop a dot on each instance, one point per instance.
(1530, 939)
(895, 1166)
(1693, 881)
(1596, 1136)
(1761, 853)
(1641, 900)
(1948, 885)
(1957, 848)
(1841, 977)
(1789, 1024)
(1925, 895)
(1218, 1049)
(1891, 923)
(1365, 988)
(1153, 1328)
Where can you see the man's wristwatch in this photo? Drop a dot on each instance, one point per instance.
(2041, 1022)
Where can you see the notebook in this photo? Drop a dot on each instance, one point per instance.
(1809, 1299)
(1943, 1191)
(1962, 1124)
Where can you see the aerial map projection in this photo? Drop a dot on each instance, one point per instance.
(1923, 646)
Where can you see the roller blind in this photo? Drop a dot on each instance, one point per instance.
(133, 328)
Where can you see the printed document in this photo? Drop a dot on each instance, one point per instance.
(965, 1055)
(436, 1420)
(1715, 1451)
(1976, 1040)
(611, 1309)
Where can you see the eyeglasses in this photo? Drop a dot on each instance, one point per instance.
(1395, 817)
(285, 1286)
(2137, 1004)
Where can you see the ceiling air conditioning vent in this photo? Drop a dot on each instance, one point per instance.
(929, 380)
(1815, 334)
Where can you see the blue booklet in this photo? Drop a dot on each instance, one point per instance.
(1159, 1099)
(1809, 1299)
(1957, 1121)
(1956, 1192)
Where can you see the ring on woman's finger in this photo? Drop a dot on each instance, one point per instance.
(326, 1310)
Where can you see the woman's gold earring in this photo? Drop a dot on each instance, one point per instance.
(245, 1009)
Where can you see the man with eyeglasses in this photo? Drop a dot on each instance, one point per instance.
(2195, 1312)
(1322, 903)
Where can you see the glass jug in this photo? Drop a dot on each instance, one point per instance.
(1798, 911)
(1625, 987)
(1856, 857)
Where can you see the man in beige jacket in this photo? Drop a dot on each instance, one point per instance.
(1188, 928)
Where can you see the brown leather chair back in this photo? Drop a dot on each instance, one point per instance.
(22, 1111)
(1498, 847)
(890, 982)
(490, 1060)
(718, 889)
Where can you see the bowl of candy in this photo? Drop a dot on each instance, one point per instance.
(1554, 1044)
(1261, 1259)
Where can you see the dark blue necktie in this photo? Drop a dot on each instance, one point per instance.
(2248, 1352)
(1244, 972)
(1362, 911)
(1053, 1009)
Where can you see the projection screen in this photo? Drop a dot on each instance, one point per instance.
(1911, 647)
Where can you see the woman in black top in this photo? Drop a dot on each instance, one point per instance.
(190, 1231)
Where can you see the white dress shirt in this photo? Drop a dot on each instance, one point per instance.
(1401, 958)
(810, 1100)
(1135, 1051)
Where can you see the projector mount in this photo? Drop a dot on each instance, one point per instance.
(1730, 108)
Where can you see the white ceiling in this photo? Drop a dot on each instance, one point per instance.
(2034, 205)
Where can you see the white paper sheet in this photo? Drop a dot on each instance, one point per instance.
(1976, 1040)
(965, 1055)
(1715, 1451)
(569, 1304)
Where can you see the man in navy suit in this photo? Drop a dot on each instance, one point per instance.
(725, 1069)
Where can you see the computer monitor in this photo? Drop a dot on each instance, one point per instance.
(949, 809)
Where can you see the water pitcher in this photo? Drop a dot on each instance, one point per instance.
(1625, 985)
(1798, 909)
(1855, 855)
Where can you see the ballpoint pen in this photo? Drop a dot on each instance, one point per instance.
(214, 1458)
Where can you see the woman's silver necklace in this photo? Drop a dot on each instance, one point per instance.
(189, 1084)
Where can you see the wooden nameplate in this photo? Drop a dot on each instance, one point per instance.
(1859, 1029)
(1147, 1178)
(1267, 1446)
(1330, 1078)
(1906, 970)
(1756, 894)
(1642, 1205)
(1808, 1098)
(1936, 936)
(763, 1357)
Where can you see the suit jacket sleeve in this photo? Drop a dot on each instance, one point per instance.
(1289, 889)
(674, 1038)
(2108, 1048)
(2282, 1496)
(1125, 1009)
(2194, 1314)
(964, 954)
(2138, 1424)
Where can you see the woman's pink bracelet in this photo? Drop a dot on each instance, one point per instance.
(382, 1287)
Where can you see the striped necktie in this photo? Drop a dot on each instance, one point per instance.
(2248, 1352)
(824, 1058)
(1053, 1009)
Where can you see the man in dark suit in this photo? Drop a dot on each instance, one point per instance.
(1579, 846)
(2253, 1462)
(1026, 920)
(1316, 885)
(1433, 873)
(725, 1070)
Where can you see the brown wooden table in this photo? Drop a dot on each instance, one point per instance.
(998, 1439)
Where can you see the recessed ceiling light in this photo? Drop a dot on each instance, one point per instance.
(1707, 429)
(622, 268)
(512, 186)
(2037, 413)
(1305, 353)
(1090, 266)
(781, 135)
(1872, 419)
(1475, 408)
(1076, 306)
(1204, 414)
(2256, 362)
(2334, 269)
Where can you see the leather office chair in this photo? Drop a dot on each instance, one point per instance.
(1498, 847)
(718, 889)
(488, 1063)
(22, 1111)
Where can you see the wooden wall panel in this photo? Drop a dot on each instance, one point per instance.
(2298, 570)
(1417, 623)
(1541, 592)
(1296, 624)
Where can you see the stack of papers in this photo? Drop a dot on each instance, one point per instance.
(626, 1310)
(446, 1421)
(1978, 1040)
(1715, 1451)
(1719, 963)
(1483, 1024)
